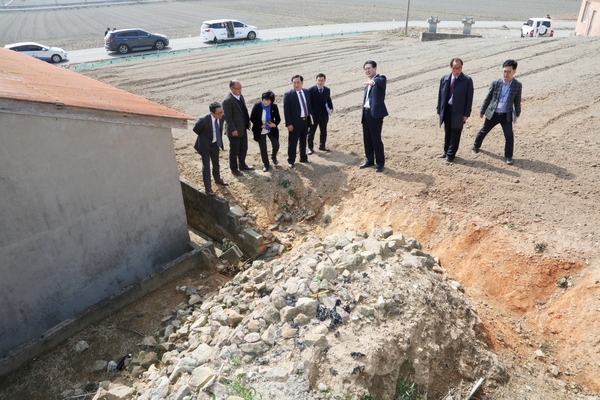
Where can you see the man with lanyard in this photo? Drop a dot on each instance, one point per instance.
(502, 105)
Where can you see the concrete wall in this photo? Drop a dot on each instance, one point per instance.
(428, 37)
(87, 208)
(212, 216)
(588, 22)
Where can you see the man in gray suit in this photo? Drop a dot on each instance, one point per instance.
(502, 105)
(455, 99)
(237, 122)
(209, 130)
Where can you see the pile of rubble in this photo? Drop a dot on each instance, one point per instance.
(344, 317)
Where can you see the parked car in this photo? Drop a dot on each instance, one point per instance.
(126, 40)
(45, 53)
(537, 27)
(227, 29)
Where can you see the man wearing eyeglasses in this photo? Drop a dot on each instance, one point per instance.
(502, 105)
(373, 112)
(455, 99)
(209, 130)
(237, 122)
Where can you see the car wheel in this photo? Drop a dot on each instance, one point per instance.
(252, 35)
(542, 30)
(56, 58)
(123, 49)
(159, 45)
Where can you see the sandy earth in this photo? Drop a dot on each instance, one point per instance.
(484, 219)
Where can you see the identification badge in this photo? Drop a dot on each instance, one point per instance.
(500, 105)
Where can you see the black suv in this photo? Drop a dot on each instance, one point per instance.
(126, 40)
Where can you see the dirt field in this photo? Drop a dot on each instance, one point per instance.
(483, 218)
(508, 234)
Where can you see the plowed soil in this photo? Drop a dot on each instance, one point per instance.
(507, 233)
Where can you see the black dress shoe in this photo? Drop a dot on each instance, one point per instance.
(475, 150)
(275, 161)
(379, 168)
(221, 182)
(443, 155)
(247, 168)
(237, 173)
(210, 192)
(305, 161)
(323, 148)
(310, 151)
(366, 164)
(291, 166)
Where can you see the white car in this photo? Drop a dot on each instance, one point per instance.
(227, 29)
(535, 27)
(45, 53)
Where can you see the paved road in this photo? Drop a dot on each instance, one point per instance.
(562, 29)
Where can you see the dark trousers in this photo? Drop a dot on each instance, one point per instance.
(208, 155)
(299, 133)
(451, 135)
(322, 125)
(489, 124)
(238, 148)
(262, 145)
(372, 138)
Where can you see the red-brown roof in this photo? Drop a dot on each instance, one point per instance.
(25, 78)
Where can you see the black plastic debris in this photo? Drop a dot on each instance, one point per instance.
(124, 361)
(291, 301)
(356, 354)
(323, 313)
(359, 368)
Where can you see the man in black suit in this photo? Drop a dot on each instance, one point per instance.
(297, 112)
(209, 130)
(502, 105)
(373, 112)
(322, 107)
(455, 99)
(237, 122)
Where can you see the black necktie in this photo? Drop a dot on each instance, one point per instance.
(218, 134)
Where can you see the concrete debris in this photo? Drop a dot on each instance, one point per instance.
(335, 315)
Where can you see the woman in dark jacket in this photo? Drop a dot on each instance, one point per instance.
(265, 118)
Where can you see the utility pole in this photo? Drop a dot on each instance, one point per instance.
(406, 26)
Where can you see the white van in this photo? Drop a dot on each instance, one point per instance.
(535, 27)
(227, 29)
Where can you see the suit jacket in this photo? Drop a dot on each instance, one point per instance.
(462, 101)
(291, 107)
(513, 101)
(319, 102)
(204, 129)
(377, 97)
(236, 115)
(256, 119)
